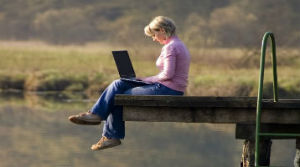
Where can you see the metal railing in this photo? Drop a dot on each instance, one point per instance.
(258, 134)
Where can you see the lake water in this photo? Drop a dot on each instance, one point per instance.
(35, 132)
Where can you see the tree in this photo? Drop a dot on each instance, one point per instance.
(64, 26)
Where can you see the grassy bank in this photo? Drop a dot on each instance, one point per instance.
(34, 66)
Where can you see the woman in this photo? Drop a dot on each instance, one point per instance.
(173, 64)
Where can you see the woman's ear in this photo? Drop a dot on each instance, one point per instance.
(162, 30)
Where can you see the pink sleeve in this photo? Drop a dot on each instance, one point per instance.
(168, 69)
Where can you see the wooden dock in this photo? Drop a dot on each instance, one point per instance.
(207, 109)
(281, 116)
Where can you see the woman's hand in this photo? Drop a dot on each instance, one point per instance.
(138, 78)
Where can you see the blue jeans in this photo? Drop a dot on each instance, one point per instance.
(114, 126)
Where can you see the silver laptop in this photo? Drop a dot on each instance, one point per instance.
(125, 67)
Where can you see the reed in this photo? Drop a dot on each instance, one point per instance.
(36, 66)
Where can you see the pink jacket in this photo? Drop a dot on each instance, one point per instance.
(173, 63)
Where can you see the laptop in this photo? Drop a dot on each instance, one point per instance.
(125, 67)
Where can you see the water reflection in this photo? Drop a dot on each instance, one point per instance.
(34, 132)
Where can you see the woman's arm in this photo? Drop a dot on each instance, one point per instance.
(168, 67)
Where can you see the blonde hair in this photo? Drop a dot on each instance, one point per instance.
(161, 22)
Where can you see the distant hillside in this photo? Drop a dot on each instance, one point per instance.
(207, 23)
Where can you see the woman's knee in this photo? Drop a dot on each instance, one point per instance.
(116, 82)
(128, 92)
(141, 90)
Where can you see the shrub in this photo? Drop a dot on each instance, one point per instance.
(55, 81)
(9, 81)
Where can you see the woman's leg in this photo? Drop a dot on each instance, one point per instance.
(105, 104)
(114, 126)
(153, 89)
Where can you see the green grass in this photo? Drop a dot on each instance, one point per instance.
(214, 71)
(30, 60)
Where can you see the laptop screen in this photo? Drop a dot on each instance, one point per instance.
(123, 64)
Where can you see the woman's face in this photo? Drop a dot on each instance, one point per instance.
(159, 36)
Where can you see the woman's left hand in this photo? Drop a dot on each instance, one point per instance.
(138, 78)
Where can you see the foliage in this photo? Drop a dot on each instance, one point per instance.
(89, 69)
(8, 81)
(55, 81)
(206, 23)
(52, 25)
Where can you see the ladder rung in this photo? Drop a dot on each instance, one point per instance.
(280, 134)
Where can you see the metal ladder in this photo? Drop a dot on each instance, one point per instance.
(258, 134)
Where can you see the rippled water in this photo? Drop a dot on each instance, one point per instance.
(35, 132)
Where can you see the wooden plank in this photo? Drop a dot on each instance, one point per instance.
(238, 110)
(206, 109)
(247, 131)
(208, 115)
(202, 101)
